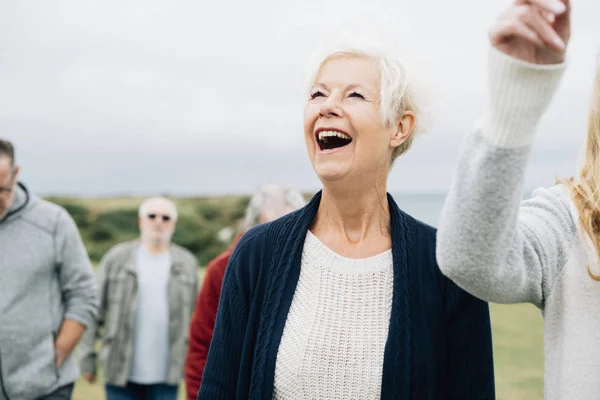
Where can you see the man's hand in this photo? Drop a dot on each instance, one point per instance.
(61, 354)
(91, 378)
(70, 333)
(534, 31)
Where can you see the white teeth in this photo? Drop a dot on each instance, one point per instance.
(326, 134)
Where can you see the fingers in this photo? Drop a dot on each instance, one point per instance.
(550, 17)
(553, 6)
(515, 29)
(567, 4)
(529, 23)
(544, 30)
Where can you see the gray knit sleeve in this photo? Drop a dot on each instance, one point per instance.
(489, 242)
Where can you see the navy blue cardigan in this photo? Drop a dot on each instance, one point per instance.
(439, 342)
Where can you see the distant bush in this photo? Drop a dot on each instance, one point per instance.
(187, 229)
(209, 253)
(101, 232)
(97, 251)
(209, 212)
(80, 214)
(239, 211)
(124, 221)
(200, 239)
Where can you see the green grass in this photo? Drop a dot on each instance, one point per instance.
(518, 351)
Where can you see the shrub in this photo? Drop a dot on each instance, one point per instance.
(101, 232)
(239, 209)
(97, 251)
(80, 214)
(124, 221)
(200, 239)
(209, 253)
(209, 212)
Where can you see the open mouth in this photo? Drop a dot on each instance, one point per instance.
(329, 140)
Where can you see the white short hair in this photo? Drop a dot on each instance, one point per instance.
(143, 210)
(402, 88)
(269, 197)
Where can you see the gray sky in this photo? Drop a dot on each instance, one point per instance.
(189, 97)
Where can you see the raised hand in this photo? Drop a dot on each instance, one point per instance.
(534, 31)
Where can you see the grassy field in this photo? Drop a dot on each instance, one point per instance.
(518, 349)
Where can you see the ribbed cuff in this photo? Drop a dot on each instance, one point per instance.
(519, 94)
(81, 317)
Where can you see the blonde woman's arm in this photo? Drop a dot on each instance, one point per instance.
(489, 242)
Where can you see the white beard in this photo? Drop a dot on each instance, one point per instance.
(155, 240)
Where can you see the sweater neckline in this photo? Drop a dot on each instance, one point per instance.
(316, 253)
(287, 236)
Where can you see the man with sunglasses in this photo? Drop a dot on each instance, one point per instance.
(147, 293)
(47, 291)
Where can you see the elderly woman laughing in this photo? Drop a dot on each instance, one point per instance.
(343, 299)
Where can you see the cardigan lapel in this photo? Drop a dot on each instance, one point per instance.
(397, 363)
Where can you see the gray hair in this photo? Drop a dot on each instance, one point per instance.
(143, 210)
(271, 198)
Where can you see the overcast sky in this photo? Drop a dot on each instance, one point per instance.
(197, 97)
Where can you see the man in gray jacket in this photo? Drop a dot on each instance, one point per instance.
(147, 297)
(47, 291)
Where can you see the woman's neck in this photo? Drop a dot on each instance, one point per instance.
(354, 222)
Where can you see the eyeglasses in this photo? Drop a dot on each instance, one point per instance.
(165, 218)
(5, 191)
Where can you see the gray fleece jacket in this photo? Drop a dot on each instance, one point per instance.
(45, 277)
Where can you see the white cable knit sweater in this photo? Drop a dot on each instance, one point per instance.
(336, 330)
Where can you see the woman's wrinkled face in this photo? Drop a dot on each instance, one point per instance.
(343, 127)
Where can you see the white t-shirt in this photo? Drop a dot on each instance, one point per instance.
(150, 361)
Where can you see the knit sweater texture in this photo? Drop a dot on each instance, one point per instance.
(334, 337)
(439, 338)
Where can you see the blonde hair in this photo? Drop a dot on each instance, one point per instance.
(401, 87)
(586, 189)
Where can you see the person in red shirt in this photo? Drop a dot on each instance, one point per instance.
(270, 202)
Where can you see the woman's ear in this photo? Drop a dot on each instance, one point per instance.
(404, 128)
(16, 170)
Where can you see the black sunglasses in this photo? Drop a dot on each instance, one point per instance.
(164, 217)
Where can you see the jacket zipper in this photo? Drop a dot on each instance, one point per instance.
(2, 381)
